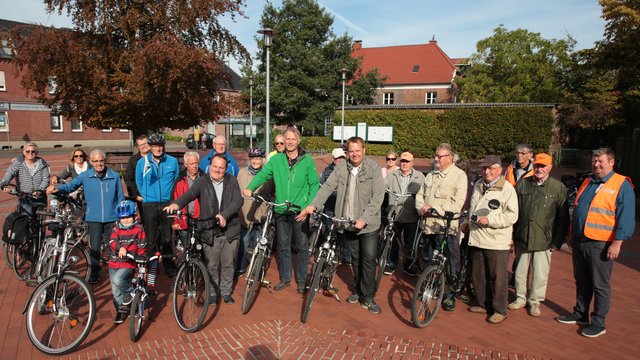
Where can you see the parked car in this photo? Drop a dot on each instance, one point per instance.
(206, 141)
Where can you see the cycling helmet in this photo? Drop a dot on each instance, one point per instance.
(256, 152)
(125, 209)
(156, 139)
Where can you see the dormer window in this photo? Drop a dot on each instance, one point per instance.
(416, 68)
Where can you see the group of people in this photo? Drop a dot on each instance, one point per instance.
(521, 208)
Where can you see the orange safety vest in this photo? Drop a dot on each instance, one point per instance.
(511, 175)
(601, 218)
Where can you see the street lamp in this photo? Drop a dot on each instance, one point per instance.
(250, 112)
(267, 32)
(344, 78)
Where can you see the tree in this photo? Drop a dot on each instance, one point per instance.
(132, 64)
(305, 62)
(516, 66)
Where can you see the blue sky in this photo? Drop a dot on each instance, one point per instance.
(457, 26)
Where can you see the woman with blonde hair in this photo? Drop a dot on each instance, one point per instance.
(77, 165)
(391, 163)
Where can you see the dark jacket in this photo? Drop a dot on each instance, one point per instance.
(130, 175)
(543, 214)
(232, 201)
(70, 171)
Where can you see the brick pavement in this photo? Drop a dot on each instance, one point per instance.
(272, 329)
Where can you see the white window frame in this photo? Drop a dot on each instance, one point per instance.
(107, 130)
(5, 127)
(3, 81)
(59, 128)
(124, 130)
(430, 97)
(387, 98)
(81, 129)
(52, 85)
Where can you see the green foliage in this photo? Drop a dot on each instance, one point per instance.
(318, 143)
(170, 137)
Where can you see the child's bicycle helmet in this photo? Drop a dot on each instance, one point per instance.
(126, 209)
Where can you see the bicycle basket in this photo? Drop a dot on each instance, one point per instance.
(16, 228)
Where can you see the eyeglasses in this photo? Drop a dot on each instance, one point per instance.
(31, 151)
(97, 161)
(392, 159)
(405, 161)
(142, 144)
(279, 143)
(78, 156)
(441, 156)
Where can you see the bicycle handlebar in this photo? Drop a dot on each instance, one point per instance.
(448, 215)
(179, 213)
(397, 195)
(142, 260)
(289, 205)
(346, 222)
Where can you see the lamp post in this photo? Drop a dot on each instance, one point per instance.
(267, 32)
(250, 112)
(344, 78)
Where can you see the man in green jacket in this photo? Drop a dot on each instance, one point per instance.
(543, 223)
(296, 180)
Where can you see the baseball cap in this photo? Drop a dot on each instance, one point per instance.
(491, 160)
(406, 156)
(543, 159)
(338, 152)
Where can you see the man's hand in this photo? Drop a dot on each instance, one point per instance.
(482, 221)
(175, 226)
(5, 189)
(302, 215)
(425, 209)
(54, 179)
(171, 208)
(122, 252)
(51, 189)
(221, 220)
(360, 224)
(139, 198)
(310, 209)
(614, 249)
(247, 193)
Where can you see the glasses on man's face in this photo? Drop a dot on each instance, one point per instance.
(142, 144)
(97, 161)
(523, 153)
(280, 143)
(404, 161)
(391, 159)
(441, 156)
(31, 151)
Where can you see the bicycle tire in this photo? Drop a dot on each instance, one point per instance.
(80, 267)
(252, 285)
(427, 296)
(313, 242)
(136, 317)
(382, 260)
(192, 285)
(23, 260)
(8, 250)
(313, 289)
(66, 330)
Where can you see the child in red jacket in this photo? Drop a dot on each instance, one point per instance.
(127, 237)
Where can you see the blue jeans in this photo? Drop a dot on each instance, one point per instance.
(286, 228)
(364, 250)
(120, 284)
(249, 238)
(96, 231)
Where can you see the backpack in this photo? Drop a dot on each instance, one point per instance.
(16, 228)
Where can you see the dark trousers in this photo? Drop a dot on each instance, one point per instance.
(490, 278)
(364, 249)
(286, 228)
(592, 272)
(157, 227)
(97, 230)
(433, 243)
(408, 231)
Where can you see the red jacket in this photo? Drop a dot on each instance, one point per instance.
(181, 187)
(133, 239)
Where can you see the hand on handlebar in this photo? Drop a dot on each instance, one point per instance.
(482, 221)
(122, 252)
(171, 208)
(425, 209)
(221, 220)
(360, 224)
(247, 192)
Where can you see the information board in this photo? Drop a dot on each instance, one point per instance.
(380, 134)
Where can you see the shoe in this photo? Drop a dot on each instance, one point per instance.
(534, 310)
(372, 306)
(353, 298)
(478, 310)
(120, 317)
(238, 274)
(593, 331)
(518, 304)
(496, 318)
(449, 304)
(464, 298)
(124, 309)
(573, 318)
(213, 299)
(388, 269)
(410, 272)
(302, 288)
(94, 280)
(127, 299)
(228, 299)
(281, 285)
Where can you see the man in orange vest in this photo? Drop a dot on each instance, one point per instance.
(522, 166)
(603, 217)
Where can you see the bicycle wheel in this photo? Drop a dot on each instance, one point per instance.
(313, 241)
(8, 250)
(382, 260)
(136, 317)
(427, 296)
(253, 282)
(23, 260)
(191, 295)
(63, 330)
(81, 266)
(315, 285)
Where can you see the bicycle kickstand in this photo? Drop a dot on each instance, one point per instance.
(333, 292)
(267, 284)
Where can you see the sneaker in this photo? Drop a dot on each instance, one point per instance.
(593, 331)
(478, 310)
(127, 299)
(372, 306)
(213, 299)
(120, 317)
(239, 274)
(353, 298)
(388, 269)
(228, 299)
(448, 304)
(302, 288)
(496, 318)
(281, 285)
(573, 318)
(518, 304)
(534, 310)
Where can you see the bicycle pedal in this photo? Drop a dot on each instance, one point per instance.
(267, 284)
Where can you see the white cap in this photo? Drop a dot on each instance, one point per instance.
(338, 152)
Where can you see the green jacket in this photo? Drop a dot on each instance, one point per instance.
(544, 215)
(297, 184)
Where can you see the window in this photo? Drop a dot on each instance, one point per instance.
(387, 99)
(56, 123)
(5, 50)
(76, 125)
(3, 84)
(107, 130)
(349, 99)
(416, 68)
(4, 121)
(430, 97)
(124, 130)
(53, 86)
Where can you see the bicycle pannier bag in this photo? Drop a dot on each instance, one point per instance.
(16, 228)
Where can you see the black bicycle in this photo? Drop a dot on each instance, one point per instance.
(191, 287)
(326, 263)
(139, 303)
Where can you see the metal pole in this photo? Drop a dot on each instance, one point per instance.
(251, 112)
(344, 78)
(267, 129)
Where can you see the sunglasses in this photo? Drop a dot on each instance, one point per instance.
(279, 143)
(78, 156)
(391, 159)
(405, 161)
(31, 151)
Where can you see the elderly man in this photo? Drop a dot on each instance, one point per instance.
(603, 218)
(220, 148)
(404, 181)
(279, 146)
(358, 182)
(219, 197)
(445, 189)
(542, 223)
(156, 174)
(31, 174)
(494, 204)
(188, 176)
(522, 166)
(103, 192)
(296, 181)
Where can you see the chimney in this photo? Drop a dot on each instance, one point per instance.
(357, 45)
(433, 40)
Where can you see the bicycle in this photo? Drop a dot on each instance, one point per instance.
(61, 310)
(261, 256)
(191, 287)
(326, 263)
(389, 234)
(139, 302)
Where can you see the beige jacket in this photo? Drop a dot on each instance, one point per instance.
(445, 191)
(251, 212)
(498, 234)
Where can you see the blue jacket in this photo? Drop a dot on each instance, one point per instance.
(102, 196)
(232, 165)
(155, 181)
